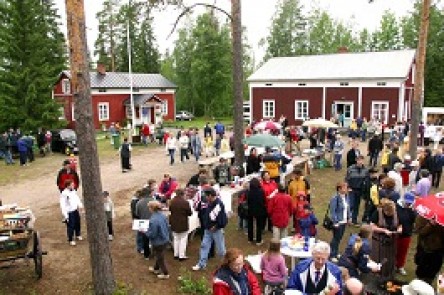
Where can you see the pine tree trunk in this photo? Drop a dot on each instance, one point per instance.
(236, 27)
(100, 257)
(419, 78)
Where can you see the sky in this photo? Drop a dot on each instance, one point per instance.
(256, 17)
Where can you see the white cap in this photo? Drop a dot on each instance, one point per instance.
(418, 287)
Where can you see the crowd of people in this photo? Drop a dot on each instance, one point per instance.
(388, 186)
(15, 142)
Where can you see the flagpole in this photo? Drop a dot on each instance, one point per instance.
(133, 111)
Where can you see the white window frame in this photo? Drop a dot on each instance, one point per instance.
(374, 103)
(66, 86)
(128, 112)
(164, 107)
(73, 117)
(105, 115)
(267, 110)
(298, 114)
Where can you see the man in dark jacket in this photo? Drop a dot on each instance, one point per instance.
(353, 154)
(358, 179)
(375, 146)
(214, 221)
(142, 212)
(438, 163)
(208, 131)
(194, 180)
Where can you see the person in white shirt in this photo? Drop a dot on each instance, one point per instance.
(110, 214)
(184, 142)
(70, 204)
(395, 174)
(171, 146)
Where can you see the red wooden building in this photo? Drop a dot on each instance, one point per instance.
(370, 84)
(153, 94)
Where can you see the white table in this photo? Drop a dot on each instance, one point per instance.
(255, 262)
(295, 253)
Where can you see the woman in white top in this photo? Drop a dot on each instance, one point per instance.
(70, 204)
(171, 146)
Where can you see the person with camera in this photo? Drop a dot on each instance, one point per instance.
(340, 215)
(214, 219)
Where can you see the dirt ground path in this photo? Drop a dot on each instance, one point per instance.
(66, 269)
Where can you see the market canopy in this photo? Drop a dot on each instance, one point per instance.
(263, 140)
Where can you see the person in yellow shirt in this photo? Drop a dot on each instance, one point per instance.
(298, 183)
(208, 146)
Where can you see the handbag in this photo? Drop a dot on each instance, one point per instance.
(327, 223)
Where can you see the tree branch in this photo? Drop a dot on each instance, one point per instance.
(190, 8)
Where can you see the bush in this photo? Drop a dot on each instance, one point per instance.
(189, 285)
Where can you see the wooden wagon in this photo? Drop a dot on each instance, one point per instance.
(18, 238)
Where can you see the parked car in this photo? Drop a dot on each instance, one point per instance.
(184, 115)
(64, 141)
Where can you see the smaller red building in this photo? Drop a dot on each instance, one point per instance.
(369, 84)
(153, 96)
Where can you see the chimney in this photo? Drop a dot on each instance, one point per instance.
(343, 49)
(101, 69)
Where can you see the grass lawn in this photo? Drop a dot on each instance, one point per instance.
(198, 122)
(50, 164)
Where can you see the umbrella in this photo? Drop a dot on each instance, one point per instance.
(267, 125)
(320, 123)
(263, 140)
(431, 207)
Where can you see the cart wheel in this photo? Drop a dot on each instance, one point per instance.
(37, 249)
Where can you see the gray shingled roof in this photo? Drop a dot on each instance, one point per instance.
(340, 66)
(141, 99)
(121, 80)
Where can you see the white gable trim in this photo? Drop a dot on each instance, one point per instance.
(326, 83)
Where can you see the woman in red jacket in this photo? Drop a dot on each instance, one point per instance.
(234, 277)
(270, 188)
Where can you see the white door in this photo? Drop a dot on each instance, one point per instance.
(345, 108)
(145, 114)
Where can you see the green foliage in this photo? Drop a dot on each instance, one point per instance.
(287, 35)
(111, 45)
(33, 55)
(189, 285)
(388, 36)
(202, 59)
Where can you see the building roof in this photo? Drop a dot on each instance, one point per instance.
(339, 66)
(121, 80)
(141, 99)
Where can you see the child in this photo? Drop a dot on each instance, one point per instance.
(274, 271)
(307, 222)
(109, 211)
(208, 145)
(298, 205)
(243, 208)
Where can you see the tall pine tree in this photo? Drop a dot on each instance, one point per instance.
(33, 54)
(287, 35)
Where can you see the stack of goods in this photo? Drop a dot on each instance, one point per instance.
(15, 227)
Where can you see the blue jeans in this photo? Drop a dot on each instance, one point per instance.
(139, 241)
(363, 135)
(196, 152)
(337, 162)
(355, 201)
(374, 158)
(171, 153)
(210, 236)
(338, 233)
(184, 154)
(7, 155)
(73, 225)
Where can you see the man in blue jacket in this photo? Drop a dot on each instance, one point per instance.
(213, 221)
(317, 274)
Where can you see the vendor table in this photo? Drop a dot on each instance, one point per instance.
(295, 253)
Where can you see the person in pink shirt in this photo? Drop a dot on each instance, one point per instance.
(274, 270)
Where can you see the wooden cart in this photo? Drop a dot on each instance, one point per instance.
(18, 238)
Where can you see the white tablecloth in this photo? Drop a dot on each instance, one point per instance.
(295, 253)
